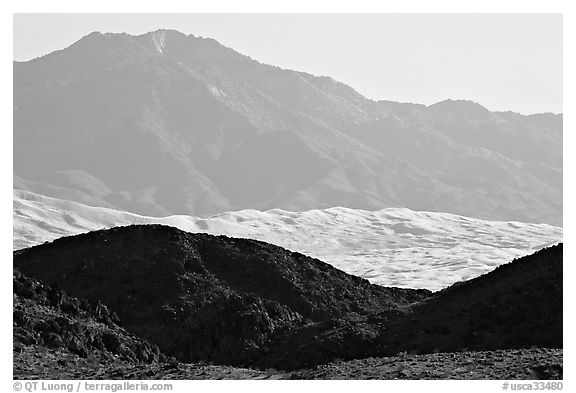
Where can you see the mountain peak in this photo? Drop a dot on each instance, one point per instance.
(459, 108)
(158, 39)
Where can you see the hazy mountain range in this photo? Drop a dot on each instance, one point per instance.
(390, 247)
(165, 123)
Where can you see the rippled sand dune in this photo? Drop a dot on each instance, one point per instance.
(392, 247)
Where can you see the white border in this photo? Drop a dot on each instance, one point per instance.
(295, 6)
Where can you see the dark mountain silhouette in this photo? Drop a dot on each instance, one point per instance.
(245, 302)
(204, 297)
(166, 123)
(518, 305)
(61, 337)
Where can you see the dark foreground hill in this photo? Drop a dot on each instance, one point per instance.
(518, 305)
(247, 303)
(204, 297)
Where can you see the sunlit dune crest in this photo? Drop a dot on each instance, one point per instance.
(391, 247)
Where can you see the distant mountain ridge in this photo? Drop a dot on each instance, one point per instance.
(391, 247)
(165, 123)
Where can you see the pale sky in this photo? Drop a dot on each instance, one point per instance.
(502, 61)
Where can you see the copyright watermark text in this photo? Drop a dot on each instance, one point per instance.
(89, 386)
(553, 385)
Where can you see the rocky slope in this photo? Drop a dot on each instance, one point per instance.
(165, 123)
(47, 318)
(243, 302)
(390, 247)
(57, 336)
